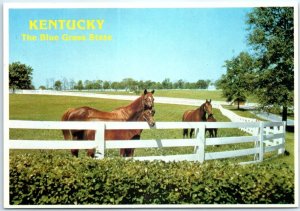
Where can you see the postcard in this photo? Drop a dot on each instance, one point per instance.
(150, 105)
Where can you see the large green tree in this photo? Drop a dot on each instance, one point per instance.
(271, 34)
(236, 83)
(20, 76)
(58, 85)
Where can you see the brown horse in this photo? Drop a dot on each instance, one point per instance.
(212, 131)
(197, 115)
(134, 134)
(131, 112)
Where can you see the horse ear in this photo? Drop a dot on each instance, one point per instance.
(153, 91)
(145, 91)
(210, 100)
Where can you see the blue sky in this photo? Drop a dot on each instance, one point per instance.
(147, 44)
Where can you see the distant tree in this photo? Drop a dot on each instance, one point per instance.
(88, 84)
(65, 84)
(50, 83)
(166, 84)
(236, 83)
(115, 85)
(42, 87)
(71, 84)
(58, 85)
(271, 34)
(20, 76)
(149, 85)
(79, 85)
(202, 84)
(97, 84)
(158, 85)
(178, 84)
(106, 84)
(130, 84)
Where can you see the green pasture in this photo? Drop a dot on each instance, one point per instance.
(242, 112)
(51, 108)
(178, 93)
(214, 95)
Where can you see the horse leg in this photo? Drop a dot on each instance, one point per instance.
(126, 152)
(75, 152)
(211, 133)
(75, 136)
(215, 135)
(91, 152)
(191, 133)
(129, 151)
(122, 152)
(185, 133)
(89, 135)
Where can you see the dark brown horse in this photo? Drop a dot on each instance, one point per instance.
(197, 115)
(131, 112)
(212, 131)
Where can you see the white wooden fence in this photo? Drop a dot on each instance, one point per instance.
(236, 118)
(262, 142)
(266, 131)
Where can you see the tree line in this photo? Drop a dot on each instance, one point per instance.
(20, 77)
(128, 84)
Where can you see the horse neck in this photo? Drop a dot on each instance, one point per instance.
(134, 110)
(202, 112)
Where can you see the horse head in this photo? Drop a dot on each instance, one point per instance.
(148, 117)
(148, 100)
(208, 107)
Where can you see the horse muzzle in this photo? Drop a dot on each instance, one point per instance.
(151, 124)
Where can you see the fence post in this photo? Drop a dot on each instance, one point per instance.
(200, 151)
(261, 141)
(99, 137)
(256, 143)
(282, 140)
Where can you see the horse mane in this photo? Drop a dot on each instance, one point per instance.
(136, 105)
(201, 109)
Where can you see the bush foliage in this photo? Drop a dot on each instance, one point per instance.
(49, 179)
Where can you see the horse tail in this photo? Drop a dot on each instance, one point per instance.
(65, 117)
(184, 116)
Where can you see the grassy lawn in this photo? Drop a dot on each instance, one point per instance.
(215, 95)
(40, 107)
(191, 94)
(241, 112)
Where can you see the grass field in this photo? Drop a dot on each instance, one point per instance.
(215, 95)
(39, 107)
(191, 94)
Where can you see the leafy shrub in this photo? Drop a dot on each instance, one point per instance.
(44, 178)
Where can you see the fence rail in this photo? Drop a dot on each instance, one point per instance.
(236, 118)
(265, 140)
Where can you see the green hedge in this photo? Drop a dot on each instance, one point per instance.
(48, 179)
